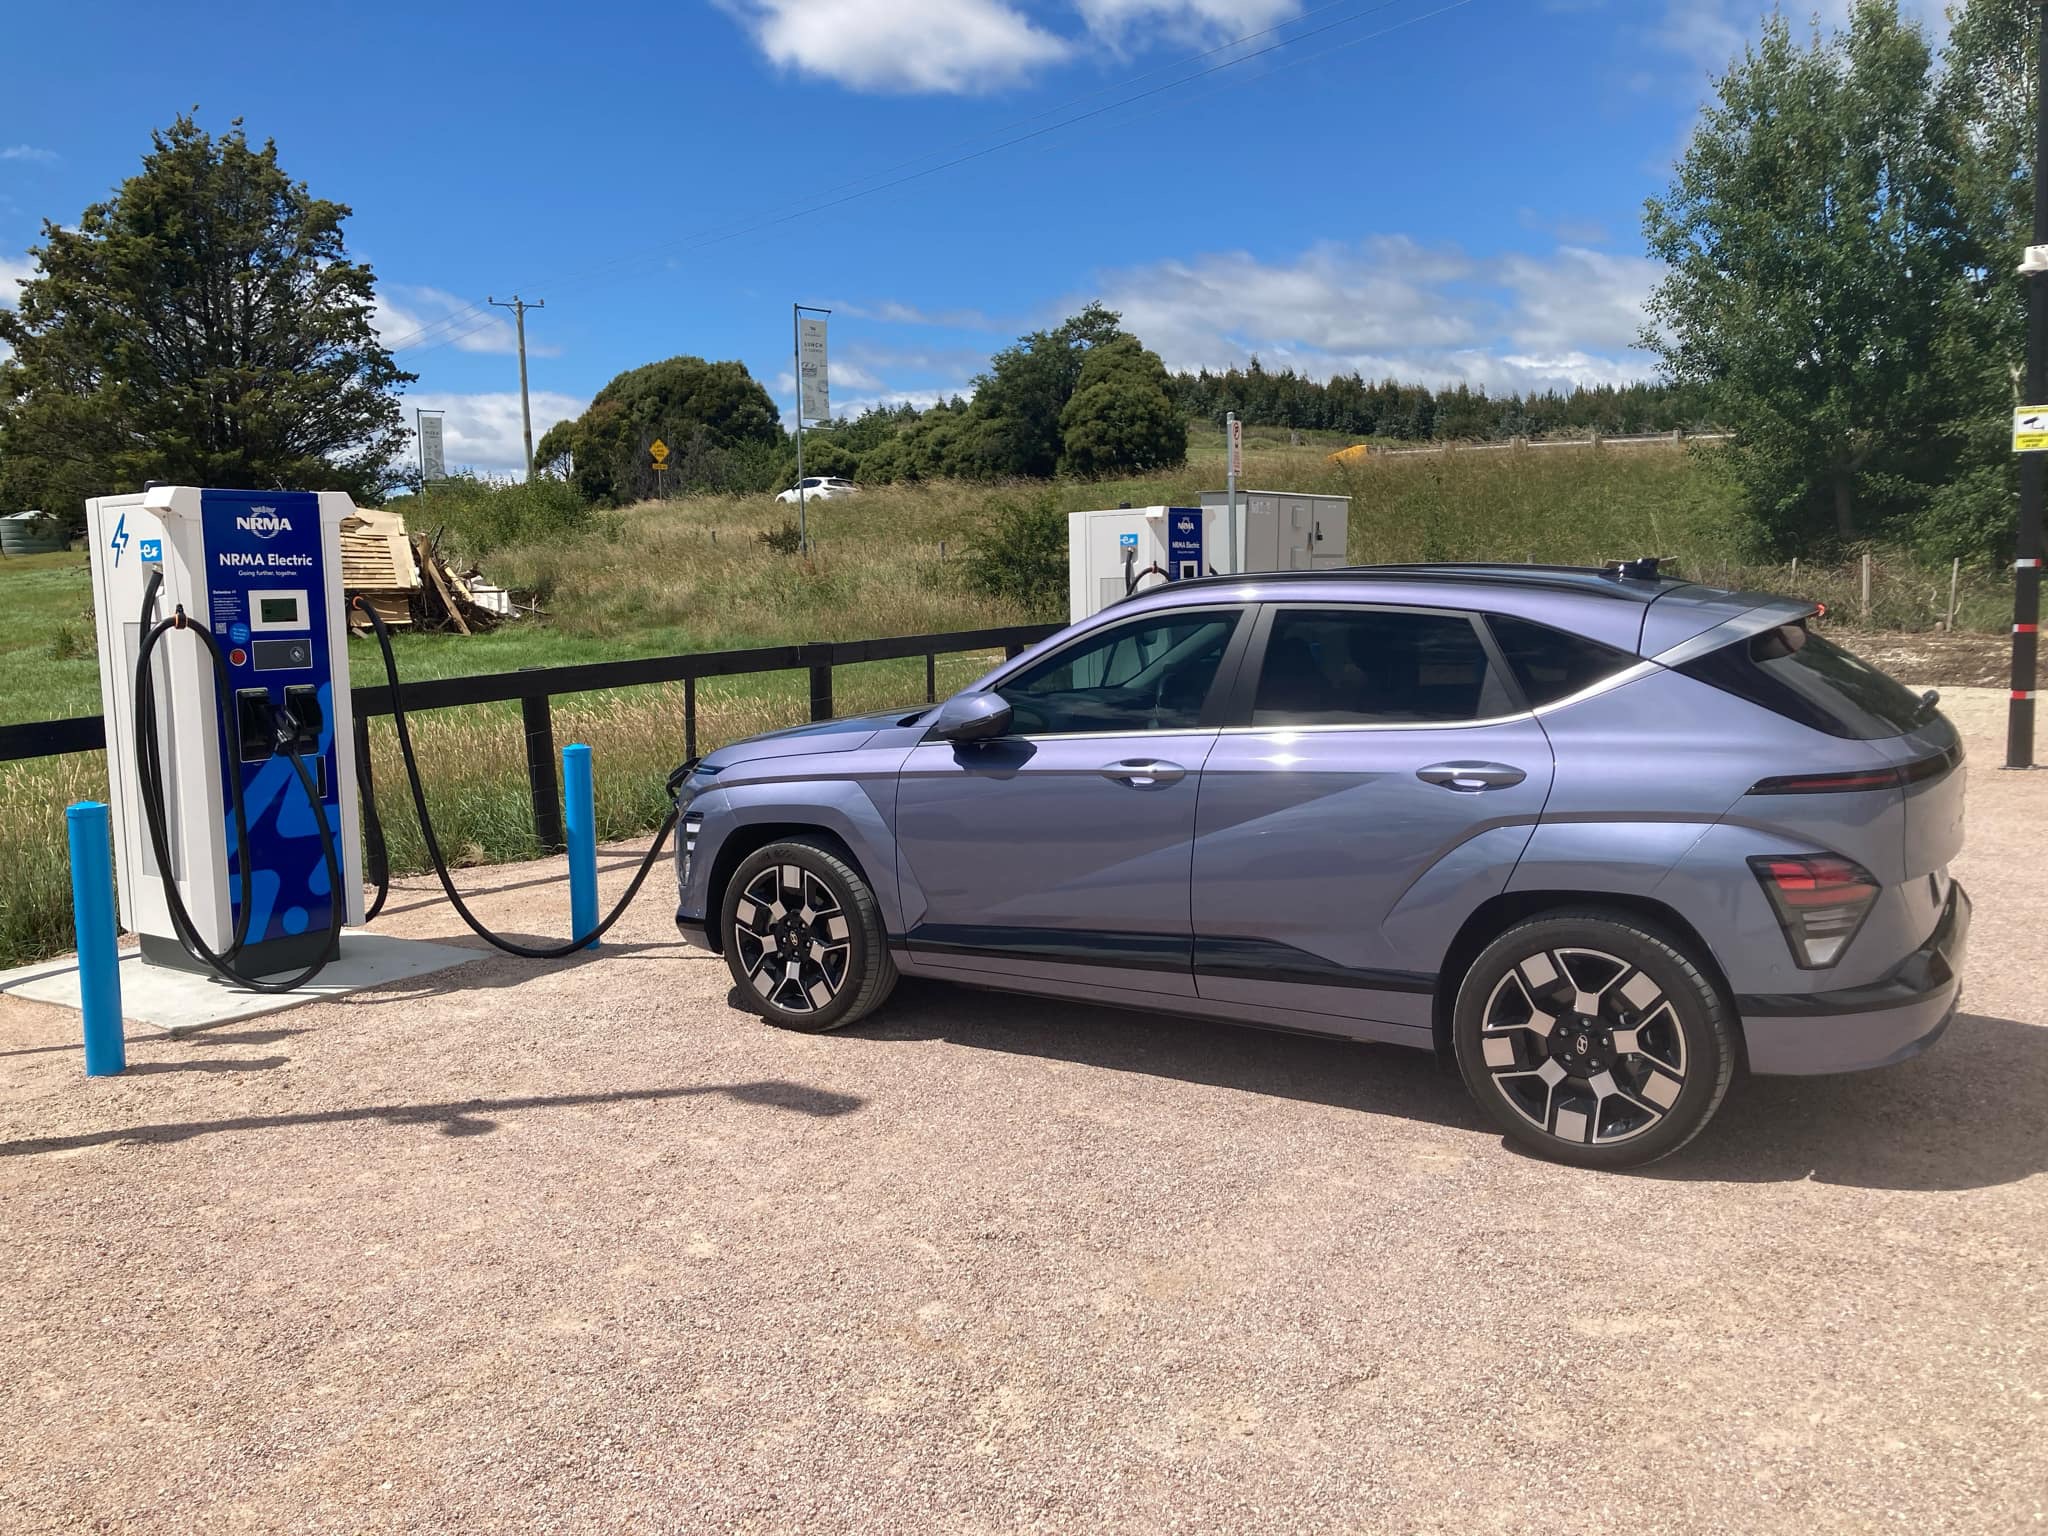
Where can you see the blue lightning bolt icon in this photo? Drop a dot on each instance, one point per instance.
(119, 542)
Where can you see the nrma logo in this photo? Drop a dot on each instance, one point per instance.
(264, 522)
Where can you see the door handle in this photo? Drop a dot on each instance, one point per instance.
(1471, 778)
(1145, 775)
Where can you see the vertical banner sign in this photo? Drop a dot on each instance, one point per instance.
(1236, 446)
(814, 394)
(433, 466)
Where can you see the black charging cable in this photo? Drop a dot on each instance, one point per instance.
(149, 754)
(419, 805)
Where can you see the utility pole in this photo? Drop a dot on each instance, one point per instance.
(519, 307)
(2026, 598)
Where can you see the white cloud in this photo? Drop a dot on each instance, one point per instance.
(481, 432)
(408, 314)
(1392, 307)
(12, 272)
(957, 47)
(1206, 21)
(28, 152)
(1712, 33)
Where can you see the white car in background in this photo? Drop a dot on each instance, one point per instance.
(819, 488)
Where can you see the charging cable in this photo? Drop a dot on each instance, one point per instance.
(419, 805)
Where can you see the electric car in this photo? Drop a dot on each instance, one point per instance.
(1599, 835)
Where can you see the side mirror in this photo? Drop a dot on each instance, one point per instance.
(971, 717)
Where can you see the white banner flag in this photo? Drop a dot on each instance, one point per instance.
(814, 402)
(432, 465)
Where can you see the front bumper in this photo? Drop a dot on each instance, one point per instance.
(1874, 1025)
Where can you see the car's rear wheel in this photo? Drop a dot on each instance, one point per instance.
(804, 939)
(1593, 1039)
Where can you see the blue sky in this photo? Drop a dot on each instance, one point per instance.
(1434, 189)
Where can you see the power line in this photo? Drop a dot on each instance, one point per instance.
(692, 243)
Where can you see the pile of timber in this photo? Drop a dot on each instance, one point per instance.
(403, 576)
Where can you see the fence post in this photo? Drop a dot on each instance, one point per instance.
(540, 770)
(931, 677)
(1866, 586)
(581, 802)
(1012, 652)
(1955, 572)
(690, 717)
(819, 659)
(92, 915)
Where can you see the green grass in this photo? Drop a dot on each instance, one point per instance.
(692, 574)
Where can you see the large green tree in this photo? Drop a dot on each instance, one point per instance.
(1019, 402)
(204, 326)
(718, 423)
(1810, 237)
(1984, 125)
(1121, 420)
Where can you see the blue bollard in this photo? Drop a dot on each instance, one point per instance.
(92, 915)
(579, 822)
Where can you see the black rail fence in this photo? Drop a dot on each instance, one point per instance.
(536, 687)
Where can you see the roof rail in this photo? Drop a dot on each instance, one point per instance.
(1590, 579)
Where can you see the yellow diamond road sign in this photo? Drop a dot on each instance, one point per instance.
(2030, 429)
(660, 452)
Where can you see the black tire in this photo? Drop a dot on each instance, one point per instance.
(1563, 1082)
(828, 977)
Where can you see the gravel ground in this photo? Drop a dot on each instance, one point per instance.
(579, 1247)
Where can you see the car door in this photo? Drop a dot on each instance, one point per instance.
(1062, 850)
(1377, 776)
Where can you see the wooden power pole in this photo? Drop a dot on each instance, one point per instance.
(519, 307)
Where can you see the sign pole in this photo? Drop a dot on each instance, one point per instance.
(1234, 450)
(803, 522)
(2026, 601)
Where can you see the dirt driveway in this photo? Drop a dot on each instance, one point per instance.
(578, 1247)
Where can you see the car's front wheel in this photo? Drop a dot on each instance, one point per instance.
(803, 937)
(1593, 1039)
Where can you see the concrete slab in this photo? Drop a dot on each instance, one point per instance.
(179, 1001)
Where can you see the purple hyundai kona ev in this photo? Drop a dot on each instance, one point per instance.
(1600, 835)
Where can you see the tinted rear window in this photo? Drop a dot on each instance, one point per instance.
(1808, 678)
(1374, 666)
(1550, 664)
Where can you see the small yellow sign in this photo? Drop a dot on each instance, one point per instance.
(2030, 429)
(660, 452)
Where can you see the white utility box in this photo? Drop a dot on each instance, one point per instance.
(1289, 530)
(1114, 553)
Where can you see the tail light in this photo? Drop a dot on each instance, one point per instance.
(1821, 901)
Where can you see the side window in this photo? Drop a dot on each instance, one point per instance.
(1550, 664)
(1374, 666)
(1150, 675)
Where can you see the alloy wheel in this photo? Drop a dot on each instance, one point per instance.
(1584, 1046)
(793, 941)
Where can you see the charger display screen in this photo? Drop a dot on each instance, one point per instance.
(278, 610)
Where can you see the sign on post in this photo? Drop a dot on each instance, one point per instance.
(659, 453)
(2030, 429)
(433, 465)
(814, 402)
(1236, 446)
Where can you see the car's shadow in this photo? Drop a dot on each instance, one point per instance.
(1967, 1114)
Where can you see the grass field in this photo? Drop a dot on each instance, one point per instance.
(693, 574)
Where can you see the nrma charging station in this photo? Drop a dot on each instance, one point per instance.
(230, 752)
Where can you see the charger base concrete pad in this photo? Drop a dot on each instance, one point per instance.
(176, 1001)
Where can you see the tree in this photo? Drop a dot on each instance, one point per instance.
(1984, 125)
(1120, 419)
(1809, 236)
(715, 418)
(205, 327)
(1017, 403)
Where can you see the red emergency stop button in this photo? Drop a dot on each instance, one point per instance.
(238, 656)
